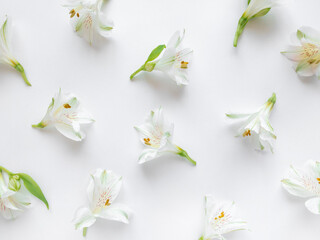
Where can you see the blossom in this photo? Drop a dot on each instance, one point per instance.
(256, 8)
(12, 203)
(66, 114)
(257, 125)
(174, 61)
(6, 56)
(88, 20)
(305, 52)
(305, 183)
(103, 189)
(155, 134)
(220, 219)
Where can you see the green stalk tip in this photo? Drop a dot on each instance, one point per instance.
(84, 233)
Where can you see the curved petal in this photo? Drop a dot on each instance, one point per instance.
(83, 218)
(313, 205)
(69, 131)
(309, 34)
(176, 39)
(116, 212)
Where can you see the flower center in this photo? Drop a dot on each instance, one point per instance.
(147, 141)
(184, 64)
(246, 133)
(73, 12)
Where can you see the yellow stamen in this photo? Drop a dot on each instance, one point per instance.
(318, 179)
(247, 133)
(66, 105)
(78, 15)
(147, 141)
(72, 13)
(184, 64)
(107, 203)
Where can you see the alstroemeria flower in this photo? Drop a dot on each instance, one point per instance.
(256, 8)
(6, 56)
(12, 203)
(66, 114)
(88, 20)
(305, 183)
(103, 189)
(305, 52)
(257, 125)
(156, 136)
(174, 62)
(220, 219)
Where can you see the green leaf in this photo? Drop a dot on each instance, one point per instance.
(33, 187)
(155, 53)
(249, 2)
(261, 13)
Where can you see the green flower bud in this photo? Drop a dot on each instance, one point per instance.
(14, 183)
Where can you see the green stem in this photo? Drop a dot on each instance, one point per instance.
(84, 233)
(20, 69)
(241, 24)
(39, 125)
(184, 154)
(142, 68)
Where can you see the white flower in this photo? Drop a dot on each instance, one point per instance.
(256, 8)
(88, 20)
(12, 203)
(305, 52)
(156, 136)
(66, 114)
(257, 125)
(103, 189)
(220, 219)
(6, 56)
(174, 62)
(305, 183)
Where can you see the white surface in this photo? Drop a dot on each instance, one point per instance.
(166, 195)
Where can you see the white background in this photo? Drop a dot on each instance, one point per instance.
(167, 194)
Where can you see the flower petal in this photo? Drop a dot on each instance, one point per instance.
(70, 132)
(116, 212)
(84, 218)
(313, 205)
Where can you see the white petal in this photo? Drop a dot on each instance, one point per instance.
(313, 205)
(116, 212)
(176, 39)
(310, 34)
(84, 218)
(69, 131)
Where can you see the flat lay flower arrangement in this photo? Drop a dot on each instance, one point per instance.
(159, 130)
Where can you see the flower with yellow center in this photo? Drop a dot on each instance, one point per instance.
(257, 126)
(88, 20)
(305, 183)
(220, 219)
(305, 52)
(103, 189)
(66, 114)
(6, 56)
(156, 134)
(174, 61)
(256, 8)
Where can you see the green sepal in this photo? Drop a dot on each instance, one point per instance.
(155, 53)
(261, 13)
(33, 187)
(14, 183)
(20, 69)
(300, 34)
(241, 25)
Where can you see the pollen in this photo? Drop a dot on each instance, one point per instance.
(184, 64)
(107, 203)
(247, 133)
(147, 141)
(220, 216)
(66, 105)
(72, 13)
(318, 179)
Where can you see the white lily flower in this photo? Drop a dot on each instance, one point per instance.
(156, 136)
(174, 62)
(6, 56)
(66, 114)
(256, 8)
(88, 20)
(305, 183)
(103, 189)
(257, 125)
(305, 53)
(12, 203)
(220, 219)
